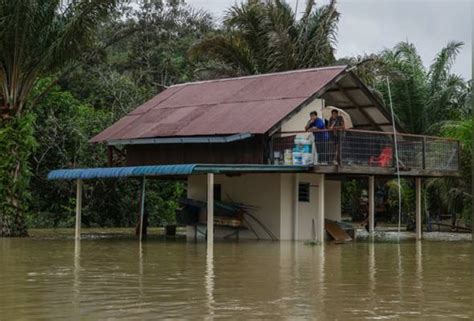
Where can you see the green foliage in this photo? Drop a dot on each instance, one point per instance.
(64, 126)
(432, 101)
(407, 198)
(452, 195)
(351, 198)
(16, 145)
(38, 37)
(266, 36)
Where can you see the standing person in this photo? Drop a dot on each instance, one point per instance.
(317, 126)
(336, 124)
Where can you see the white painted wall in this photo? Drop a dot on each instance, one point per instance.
(287, 183)
(273, 194)
(259, 190)
(308, 210)
(299, 120)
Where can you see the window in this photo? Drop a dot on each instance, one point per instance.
(217, 192)
(303, 192)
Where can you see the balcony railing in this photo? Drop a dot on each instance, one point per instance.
(351, 147)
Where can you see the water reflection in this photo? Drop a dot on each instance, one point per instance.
(76, 284)
(372, 271)
(116, 279)
(210, 281)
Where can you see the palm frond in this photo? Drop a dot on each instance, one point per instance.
(230, 49)
(281, 36)
(442, 64)
(41, 36)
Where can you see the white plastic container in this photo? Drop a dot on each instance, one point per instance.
(307, 158)
(297, 158)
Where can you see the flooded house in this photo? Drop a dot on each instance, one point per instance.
(242, 141)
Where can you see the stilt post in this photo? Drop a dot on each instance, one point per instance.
(418, 208)
(78, 208)
(320, 214)
(210, 209)
(371, 218)
(142, 209)
(295, 207)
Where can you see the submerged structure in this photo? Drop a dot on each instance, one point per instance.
(234, 140)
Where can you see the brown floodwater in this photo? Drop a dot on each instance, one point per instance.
(56, 278)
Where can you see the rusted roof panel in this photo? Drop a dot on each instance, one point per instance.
(251, 104)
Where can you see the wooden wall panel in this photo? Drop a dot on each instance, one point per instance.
(249, 151)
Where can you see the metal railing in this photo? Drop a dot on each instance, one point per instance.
(352, 147)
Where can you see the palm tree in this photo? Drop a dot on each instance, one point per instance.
(266, 36)
(429, 100)
(37, 38)
(423, 97)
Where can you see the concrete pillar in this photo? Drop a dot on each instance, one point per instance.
(210, 209)
(295, 206)
(371, 191)
(142, 208)
(78, 208)
(418, 208)
(320, 214)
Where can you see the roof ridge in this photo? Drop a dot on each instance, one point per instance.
(259, 75)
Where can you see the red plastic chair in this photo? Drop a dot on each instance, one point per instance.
(384, 159)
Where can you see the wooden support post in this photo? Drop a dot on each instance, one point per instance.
(142, 209)
(423, 153)
(210, 209)
(320, 214)
(295, 206)
(371, 218)
(418, 208)
(78, 208)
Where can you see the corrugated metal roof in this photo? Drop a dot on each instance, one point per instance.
(167, 170)
(251, 104)
(116, 172)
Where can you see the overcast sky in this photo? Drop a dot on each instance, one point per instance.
(368, 26)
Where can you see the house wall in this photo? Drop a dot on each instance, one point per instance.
(299, 119)
(247, 151)
(259, 190)
(273, 195)
(307, 211)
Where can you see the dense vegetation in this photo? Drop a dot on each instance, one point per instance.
(69, 71)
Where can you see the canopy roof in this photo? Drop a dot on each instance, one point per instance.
(168, 170)
(252, 104)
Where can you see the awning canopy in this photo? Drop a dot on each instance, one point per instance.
(169, 170)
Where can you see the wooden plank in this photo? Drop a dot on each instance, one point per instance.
(385, 171)
(354, 102)
(336, 232)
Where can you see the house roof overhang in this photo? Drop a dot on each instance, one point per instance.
(170, 170)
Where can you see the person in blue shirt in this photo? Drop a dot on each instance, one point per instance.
(321, 137)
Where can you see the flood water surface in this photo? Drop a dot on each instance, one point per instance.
(111, 279)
